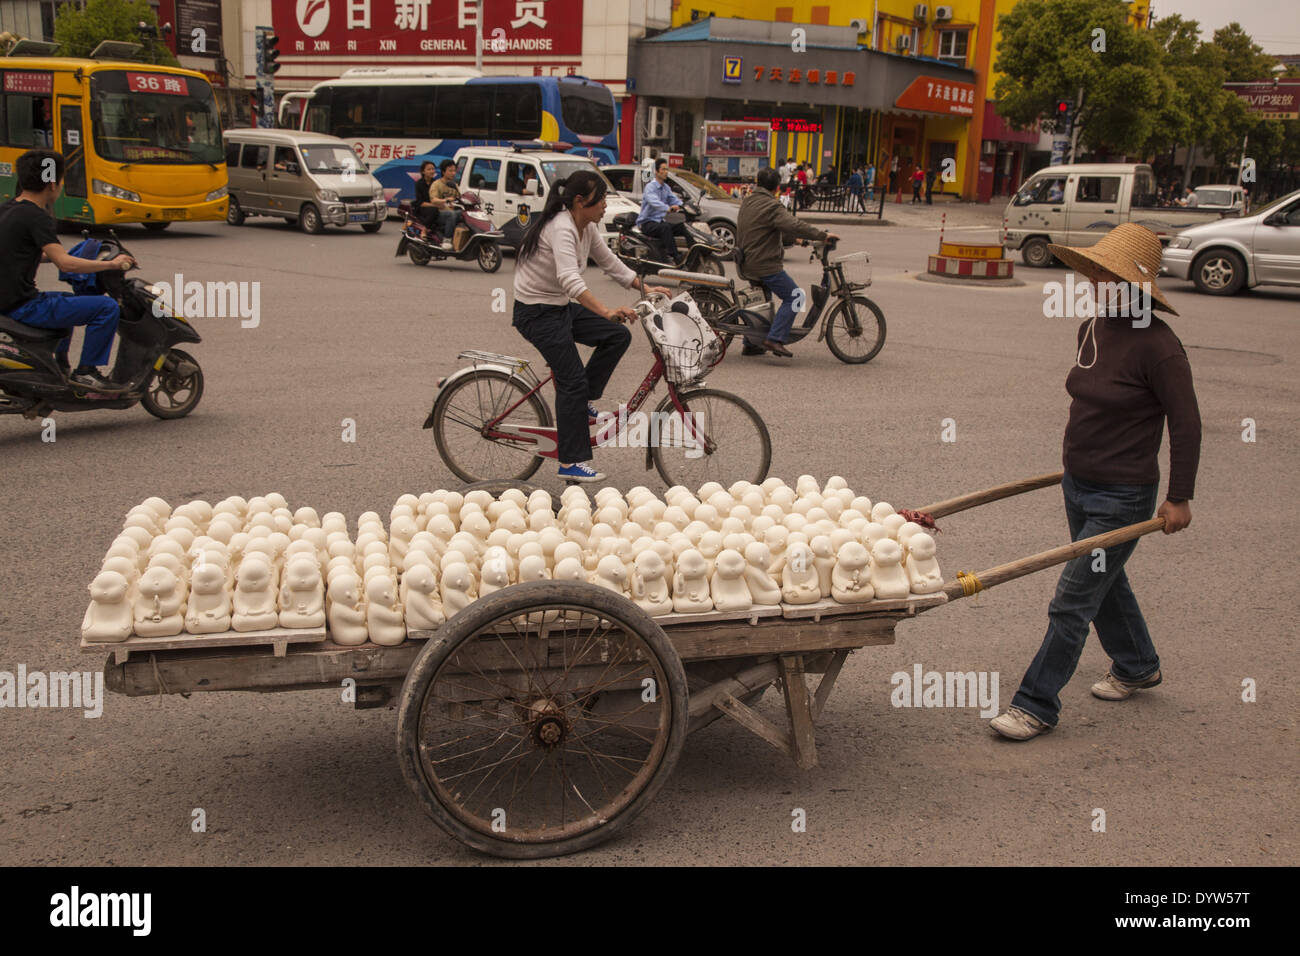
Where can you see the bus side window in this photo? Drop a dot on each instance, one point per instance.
(30, 122)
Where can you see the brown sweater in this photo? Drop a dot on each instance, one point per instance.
(760, 226)
(1119, 407)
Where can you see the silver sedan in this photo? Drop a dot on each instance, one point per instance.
(1227, 255)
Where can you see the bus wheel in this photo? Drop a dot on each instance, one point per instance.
(309, 220)
(155, 226)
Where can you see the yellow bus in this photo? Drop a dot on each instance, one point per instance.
(142, 143)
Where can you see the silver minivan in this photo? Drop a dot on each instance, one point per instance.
(308, 178)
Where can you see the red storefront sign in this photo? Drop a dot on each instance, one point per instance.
(930, 94)
(1268, 101)
(785, 124)
(157, 83)
(417, 28)
(28, 81)
(814, 77)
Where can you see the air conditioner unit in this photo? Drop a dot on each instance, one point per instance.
(859, 25)
(658, 123)
(942, 13)
(903, 42)
(921, 13)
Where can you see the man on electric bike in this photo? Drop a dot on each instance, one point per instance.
(761, 225)
(28, 237)
(657, 201)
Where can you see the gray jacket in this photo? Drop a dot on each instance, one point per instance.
(761, 225)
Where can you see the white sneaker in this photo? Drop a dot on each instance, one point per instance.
(1016, 724)
(1111, 687)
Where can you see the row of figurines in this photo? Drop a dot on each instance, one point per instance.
(155, 536)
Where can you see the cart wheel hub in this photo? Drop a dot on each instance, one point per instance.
(549, 725)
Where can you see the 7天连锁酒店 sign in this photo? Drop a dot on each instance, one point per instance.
(929, 94)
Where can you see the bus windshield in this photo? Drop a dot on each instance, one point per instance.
(328, 158)
(161, 118)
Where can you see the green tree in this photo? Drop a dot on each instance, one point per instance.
(79, 31)
(1051, 50)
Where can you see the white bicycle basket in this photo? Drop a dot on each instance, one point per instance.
(689, 347)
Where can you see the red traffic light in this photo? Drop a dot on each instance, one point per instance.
(1062, 107)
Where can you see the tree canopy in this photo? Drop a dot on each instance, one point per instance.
(79, 31)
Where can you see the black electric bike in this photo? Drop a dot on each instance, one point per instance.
(853, 326)
(703, 252)
(166, 380)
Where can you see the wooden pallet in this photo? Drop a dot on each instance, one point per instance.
(278, 637)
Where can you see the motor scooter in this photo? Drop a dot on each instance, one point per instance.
(702, 252)
(166, 380)
(422, 245)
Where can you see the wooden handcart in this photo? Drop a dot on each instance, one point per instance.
(543, 718)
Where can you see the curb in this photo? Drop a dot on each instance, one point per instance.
(827, 221)
(972, 283)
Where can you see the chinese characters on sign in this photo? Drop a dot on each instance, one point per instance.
(815, 77)
(791, 125)
(384, 151)
(1267, 101)
(157, 83)
(16, 81)
(931, 95)
(413, 27)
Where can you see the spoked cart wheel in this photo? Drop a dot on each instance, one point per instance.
(542, 719)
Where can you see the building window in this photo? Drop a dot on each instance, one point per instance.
(952, 46)
(783, 15)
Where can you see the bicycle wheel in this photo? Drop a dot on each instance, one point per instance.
(542, 720)
(725, 440)
(465, 406)
(855, 338)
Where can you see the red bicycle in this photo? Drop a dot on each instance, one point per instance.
(489, 419)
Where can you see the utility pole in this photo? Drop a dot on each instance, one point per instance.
(478, 35)
(1074, 127)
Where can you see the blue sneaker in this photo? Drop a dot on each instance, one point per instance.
(580, 472)
(593, 415)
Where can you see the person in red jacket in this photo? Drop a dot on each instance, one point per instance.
(1130, 376)
(918, 180)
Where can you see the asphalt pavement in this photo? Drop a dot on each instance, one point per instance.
(1187, 773)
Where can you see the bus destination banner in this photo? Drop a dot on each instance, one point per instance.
(511, 28)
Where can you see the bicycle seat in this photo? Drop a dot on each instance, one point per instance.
(30, 333)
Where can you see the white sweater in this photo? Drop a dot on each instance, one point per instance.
(553, 274)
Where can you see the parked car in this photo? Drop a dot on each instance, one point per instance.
(308, 178)
(512, 183)
(1230, 200)
(1229, 255)
(717, 209)
(1076, 205)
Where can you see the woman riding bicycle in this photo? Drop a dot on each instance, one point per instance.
(554, 310)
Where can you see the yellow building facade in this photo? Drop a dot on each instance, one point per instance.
(989, 157)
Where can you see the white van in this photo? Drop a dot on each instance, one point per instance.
(510, 195)
(1075, 205)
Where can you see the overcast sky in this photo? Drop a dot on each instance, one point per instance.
(1274, 24)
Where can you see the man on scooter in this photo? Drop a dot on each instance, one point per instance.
(761, 225)
(28, 237)
(657, 201)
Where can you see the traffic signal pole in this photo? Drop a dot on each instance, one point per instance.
(268, 54)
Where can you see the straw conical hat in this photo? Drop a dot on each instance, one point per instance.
(1128, 253)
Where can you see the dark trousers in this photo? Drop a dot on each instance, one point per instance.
(665, 234)
(1092, 592)
(556, 331)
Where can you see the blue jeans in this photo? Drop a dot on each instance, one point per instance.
(63, 310)
(783, 287)
(1085, 596)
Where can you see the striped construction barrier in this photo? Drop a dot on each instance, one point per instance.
(970, 268)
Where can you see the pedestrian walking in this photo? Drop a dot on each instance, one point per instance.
(856, 185)
(930, 175)
(1129, 377)
(918, 177)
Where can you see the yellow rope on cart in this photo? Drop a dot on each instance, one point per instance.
(970, 584)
